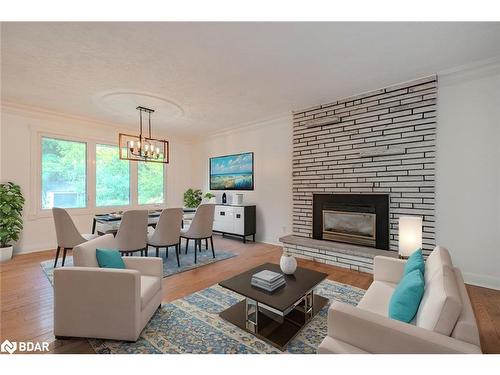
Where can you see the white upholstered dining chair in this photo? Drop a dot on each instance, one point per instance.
(167, 232)
(201, 228)
(132, 233)
(67, 234)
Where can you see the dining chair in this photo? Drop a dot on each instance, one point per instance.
(167, 232)
(67, 234)
(132, 233)
(201, 228)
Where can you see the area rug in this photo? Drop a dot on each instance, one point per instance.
(192, 325)
(169, 264)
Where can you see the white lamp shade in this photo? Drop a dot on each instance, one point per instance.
(410, 234)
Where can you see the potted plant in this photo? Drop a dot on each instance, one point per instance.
(11, 221)
(192, 198)
(211, 197)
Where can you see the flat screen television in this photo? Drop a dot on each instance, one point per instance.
(232, 172)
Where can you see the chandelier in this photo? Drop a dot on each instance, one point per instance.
(142, 148)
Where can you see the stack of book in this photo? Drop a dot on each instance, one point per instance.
(268, 280)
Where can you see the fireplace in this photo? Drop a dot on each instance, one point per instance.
(359, 219)
(345, 226)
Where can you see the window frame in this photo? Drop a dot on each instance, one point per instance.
(86, 171)
(35, 210)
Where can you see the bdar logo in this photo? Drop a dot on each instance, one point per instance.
(9, 347)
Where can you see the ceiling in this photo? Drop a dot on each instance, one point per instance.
(205, 77)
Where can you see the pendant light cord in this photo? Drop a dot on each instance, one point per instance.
(149, 124)
(140, 120)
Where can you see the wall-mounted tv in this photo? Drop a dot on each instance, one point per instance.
(232, 172)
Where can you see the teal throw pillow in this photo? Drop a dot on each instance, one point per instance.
(415, 262)
(406, 298)
(107, 258)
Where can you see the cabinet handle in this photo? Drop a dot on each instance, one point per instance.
(223, 214)
(238, 216)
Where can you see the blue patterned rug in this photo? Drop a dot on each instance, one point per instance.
(169, 264)
(192, 325)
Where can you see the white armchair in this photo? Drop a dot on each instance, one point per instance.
(105, 303)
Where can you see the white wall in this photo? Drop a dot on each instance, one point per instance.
(271, 142)
(467, 181)
(468, 172)
(17, 129)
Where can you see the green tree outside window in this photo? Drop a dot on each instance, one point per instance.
(64, 173)
(112, 185)
(150, 183)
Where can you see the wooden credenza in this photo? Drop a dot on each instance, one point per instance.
(235, 220)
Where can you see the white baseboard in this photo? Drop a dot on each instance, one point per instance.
(49, 246)
(482, 280)
(257, 240)
(34, 249)
(470, 278)
(270, 242)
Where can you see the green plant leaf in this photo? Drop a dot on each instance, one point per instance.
(11, 207)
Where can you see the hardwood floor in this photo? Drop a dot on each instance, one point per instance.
(26, 294)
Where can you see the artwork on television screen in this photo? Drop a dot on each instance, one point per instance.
(232, 172)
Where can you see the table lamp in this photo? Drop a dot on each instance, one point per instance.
(410, 235)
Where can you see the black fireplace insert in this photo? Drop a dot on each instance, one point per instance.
(359, 219)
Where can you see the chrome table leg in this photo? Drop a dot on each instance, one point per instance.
(308, 305)
(252, 315)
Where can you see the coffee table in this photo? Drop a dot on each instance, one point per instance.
(279, 316)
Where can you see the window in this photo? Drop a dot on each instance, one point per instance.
(150, 183)
(112, 177)
(64, 174)
(90, 174)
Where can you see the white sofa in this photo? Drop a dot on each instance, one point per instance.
(105, 303)
(444, 323)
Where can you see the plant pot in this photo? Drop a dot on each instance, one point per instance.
(288, 264)
(6, 253)
(212, 200)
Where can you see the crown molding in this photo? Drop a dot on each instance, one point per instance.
(28, 110)
(281, 119)
(47, 114)
(466, 72)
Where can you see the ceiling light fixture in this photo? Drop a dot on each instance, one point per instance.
(141, 148)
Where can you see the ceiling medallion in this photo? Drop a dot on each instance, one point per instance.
(140, 147)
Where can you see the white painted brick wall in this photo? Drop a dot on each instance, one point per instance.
(351, 156)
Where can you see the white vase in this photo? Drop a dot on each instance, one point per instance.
(5, 253)
(288, 264)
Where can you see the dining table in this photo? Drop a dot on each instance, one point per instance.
(111, 221)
